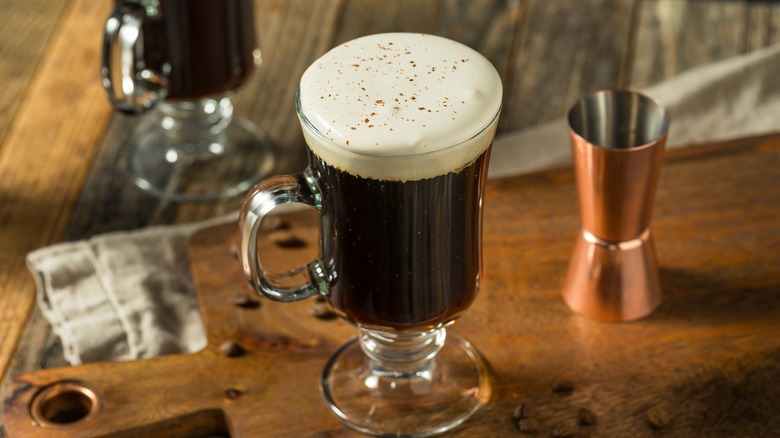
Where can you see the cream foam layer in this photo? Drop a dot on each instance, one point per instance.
(369, 104)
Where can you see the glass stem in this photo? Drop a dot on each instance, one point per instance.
(197, 126)
(402, 354)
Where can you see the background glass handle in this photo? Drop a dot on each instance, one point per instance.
(264, 197)
(131, 88)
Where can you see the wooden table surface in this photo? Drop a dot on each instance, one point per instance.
(60, 139)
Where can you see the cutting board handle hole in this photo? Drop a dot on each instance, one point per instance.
(64, 403)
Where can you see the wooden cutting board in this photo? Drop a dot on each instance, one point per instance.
(706, 363)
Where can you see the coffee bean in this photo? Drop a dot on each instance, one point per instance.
(244, 301)
(586, 417)
(563, 430)
(232, 349)
(563, 385)
(232, 393)
(658, 417)
(323, 312)
(287, 239)
(519, 412)
(528, 425)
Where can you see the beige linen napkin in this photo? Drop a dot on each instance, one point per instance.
(121, 295)
(129, 295)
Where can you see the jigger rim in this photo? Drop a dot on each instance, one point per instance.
(663, 114)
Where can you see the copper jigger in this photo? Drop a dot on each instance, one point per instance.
(617, 140)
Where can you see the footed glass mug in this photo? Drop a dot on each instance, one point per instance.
(184, 59)
(399, 129)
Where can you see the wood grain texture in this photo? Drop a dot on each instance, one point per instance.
(676, 36)
(45, 158)
(26, 31)
(562, 54)
(708, 357)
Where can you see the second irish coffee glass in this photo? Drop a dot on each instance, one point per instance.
(183, 60)
(399, 129)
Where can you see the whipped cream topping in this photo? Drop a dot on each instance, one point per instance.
(369, 104)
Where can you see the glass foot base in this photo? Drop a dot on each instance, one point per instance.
(425, 402)
(199, 169)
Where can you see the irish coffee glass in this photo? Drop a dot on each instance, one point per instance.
(397, 171)
(182, 60)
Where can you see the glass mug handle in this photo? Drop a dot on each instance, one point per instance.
(131, 88)
(264, 197)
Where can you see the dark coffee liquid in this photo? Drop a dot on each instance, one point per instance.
(406, 255)
(203, 47)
